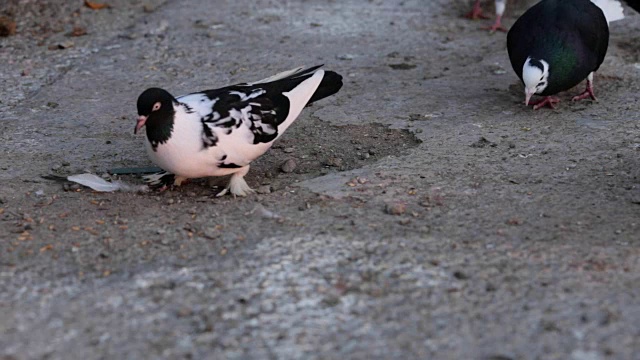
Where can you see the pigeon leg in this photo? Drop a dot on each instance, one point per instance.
(180, 180)
(588, 92)
(497, 26)
(476, 12)
(549, 101)
(237, 185)
(162, 180)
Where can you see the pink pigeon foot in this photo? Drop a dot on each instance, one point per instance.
(587, 93)
(497, 26)
(476, 12)
(549, 101)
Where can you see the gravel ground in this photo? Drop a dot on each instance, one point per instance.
(424, 212)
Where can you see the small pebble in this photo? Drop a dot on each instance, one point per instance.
(266, 189)
(211, 233)
(7, 26)
(333, 161)
(288, 150)
(288, 166)
(345, 57)
(396, 208)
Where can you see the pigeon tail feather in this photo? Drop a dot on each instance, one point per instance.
(299, 71)
(612, 9)
(330, 84)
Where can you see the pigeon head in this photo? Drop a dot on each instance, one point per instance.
(155, 107)
(535, 74)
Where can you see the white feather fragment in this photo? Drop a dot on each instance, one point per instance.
(99, 184)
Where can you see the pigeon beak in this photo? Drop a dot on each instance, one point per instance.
(528, 94)
(141, 120)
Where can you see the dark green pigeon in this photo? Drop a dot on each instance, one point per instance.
(556, 44)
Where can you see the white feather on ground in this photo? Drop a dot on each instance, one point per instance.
(99, 184)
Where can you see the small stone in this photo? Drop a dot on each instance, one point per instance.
(211, 233)
(397, 208)
(78, 31)
(7, 26)
(288, 150)
(170, 201)
(402, 66)
(483, 142)
(266, 189)
(288, 166)
(334, 161)
(62, 45)
(372, 151)
(148, 8)
(345, 57)
(460, 275)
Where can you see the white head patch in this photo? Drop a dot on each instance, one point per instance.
(534, 75)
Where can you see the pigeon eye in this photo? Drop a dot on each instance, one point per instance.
(156, 106)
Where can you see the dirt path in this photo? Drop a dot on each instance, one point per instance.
(430, 214)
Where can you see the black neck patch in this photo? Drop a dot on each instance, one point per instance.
(537, 63)
(159, 125)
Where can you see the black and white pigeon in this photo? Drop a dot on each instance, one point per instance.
(556, 44)
(220, 132)
(476, 13)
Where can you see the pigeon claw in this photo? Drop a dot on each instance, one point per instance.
(497, 26)
(476, 12)
(549, 101)
(588, 93)
(237, 185)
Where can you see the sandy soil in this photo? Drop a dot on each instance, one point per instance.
(430, 214)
